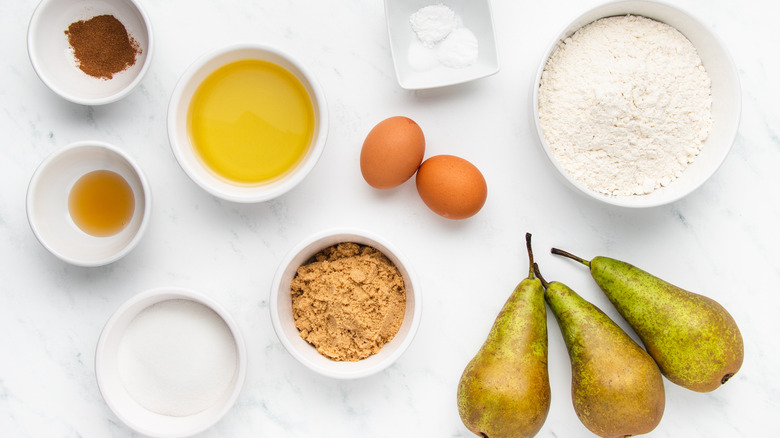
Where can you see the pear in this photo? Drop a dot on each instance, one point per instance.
(505, 389)
(616, 387)
(694, 340)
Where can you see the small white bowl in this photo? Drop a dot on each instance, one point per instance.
(476, 16)
(47, 203)
(726, 101)
(284, 323)
(184, 151)
(53, 60)
(121, 401)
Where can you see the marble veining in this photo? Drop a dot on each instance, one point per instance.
(721, 241)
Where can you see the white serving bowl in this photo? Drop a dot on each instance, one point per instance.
(120, 400)
(53, 60)
(726, 100)
(476, 16)
(47, 203)
(184, 151)
(305, 353)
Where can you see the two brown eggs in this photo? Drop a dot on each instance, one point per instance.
(393, 152)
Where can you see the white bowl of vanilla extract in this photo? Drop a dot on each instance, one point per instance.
(89, 203)
(247, 122)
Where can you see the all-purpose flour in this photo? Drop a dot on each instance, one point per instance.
(625, 105)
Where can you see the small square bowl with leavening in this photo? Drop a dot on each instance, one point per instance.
(90, 52)
(347, 313)
(725, 110)
(458, 42)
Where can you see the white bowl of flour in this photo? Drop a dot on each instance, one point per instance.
(636, 103)
(170, 362)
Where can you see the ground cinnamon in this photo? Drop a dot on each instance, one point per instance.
(102, 46)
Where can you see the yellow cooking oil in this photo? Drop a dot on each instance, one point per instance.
(251, 121)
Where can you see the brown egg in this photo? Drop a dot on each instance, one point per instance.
(451, 186)
(392, 152)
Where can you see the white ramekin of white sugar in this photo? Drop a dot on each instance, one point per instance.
(170, 362)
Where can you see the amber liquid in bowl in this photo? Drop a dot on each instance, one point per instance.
(101, 203)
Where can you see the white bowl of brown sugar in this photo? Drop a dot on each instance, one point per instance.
(90, 52)
(345, 303)
(636, 103)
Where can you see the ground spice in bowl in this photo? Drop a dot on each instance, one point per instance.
(348, 301)
(102, 47)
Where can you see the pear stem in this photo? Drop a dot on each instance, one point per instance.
(561, 252)
(539, 276)
(530, 255)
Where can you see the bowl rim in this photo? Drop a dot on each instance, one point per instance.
(90, 101)
(40, 171)
(252, 194)
(142, 301)
(345, 234)
(635, 202)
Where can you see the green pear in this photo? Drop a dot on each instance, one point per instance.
(694, 340)
(505, 389)
(616, 387)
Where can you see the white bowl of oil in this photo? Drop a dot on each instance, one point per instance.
(89, 203)
(247, 122)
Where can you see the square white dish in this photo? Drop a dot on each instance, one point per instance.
(476, 15)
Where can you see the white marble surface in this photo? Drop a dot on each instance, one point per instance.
(722, 240)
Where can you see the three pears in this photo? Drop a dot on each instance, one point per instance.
(694, 340)
(505, 389)
(616, 387)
